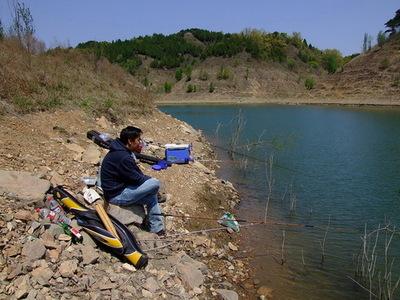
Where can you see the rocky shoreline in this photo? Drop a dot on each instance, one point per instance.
(39, 261)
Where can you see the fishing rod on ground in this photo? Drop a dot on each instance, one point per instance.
(346, 230)
(237, 220)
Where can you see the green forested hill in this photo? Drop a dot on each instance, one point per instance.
(191, 45)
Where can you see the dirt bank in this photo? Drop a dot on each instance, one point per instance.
(54, 146)
(232, 100)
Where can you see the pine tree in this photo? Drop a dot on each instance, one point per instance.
(394, 23)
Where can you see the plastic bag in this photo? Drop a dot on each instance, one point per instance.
(228, 220)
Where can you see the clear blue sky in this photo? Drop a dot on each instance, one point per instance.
(337, 24)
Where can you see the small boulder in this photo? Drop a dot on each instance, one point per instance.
(12, 250)
(151, 285)
(87, 239)
(24, 215)
(147, 294)
(128, 267)
(227, 294)
(23, 186)
(91, 155)
(56, 179)
(190, 275)
(53, 255)
(127, 215)
(34, 250)
(16, 270)
(23, 287)
(89, 255)
(232, 247)
(42, 275)
(55, 230)
(68, 268)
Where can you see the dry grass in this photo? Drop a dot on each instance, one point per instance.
(370, 75)
(66, 78)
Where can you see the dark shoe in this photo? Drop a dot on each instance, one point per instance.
(161, 232)
(161, 198)
(145, 224)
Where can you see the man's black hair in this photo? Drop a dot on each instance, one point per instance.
(128, 133)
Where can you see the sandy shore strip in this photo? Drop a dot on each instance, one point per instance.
(235, 100)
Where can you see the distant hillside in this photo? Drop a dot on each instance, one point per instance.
(374, 75)
(66, 78)
(196, 64)
(250, 63)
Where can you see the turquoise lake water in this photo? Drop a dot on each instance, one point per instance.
(330, 163)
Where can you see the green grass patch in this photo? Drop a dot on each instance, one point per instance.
(23, 104)
(223, 73)
(309, 83)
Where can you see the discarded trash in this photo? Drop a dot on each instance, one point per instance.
(89, 181)
(228, 220)
(72, 232)
(53, 205)
(90, 195)
(53, 216)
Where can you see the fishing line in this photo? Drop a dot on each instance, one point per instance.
(343, 230)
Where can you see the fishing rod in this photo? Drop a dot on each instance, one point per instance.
(347, 230)
(237, 220)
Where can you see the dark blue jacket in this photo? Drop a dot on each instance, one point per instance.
(118, 170)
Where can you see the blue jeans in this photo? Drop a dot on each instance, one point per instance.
(145, 194)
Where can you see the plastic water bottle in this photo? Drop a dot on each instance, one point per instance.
(54, 217)
(53, 205)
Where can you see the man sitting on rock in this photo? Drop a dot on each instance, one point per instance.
(123, 182)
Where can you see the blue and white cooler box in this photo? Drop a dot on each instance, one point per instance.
(178, 153)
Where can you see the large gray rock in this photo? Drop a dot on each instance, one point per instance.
(91, 155)
(34, 250)
(23, 186)
(227, 294)
(190, 275)
(190, 271)
(127, 214)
